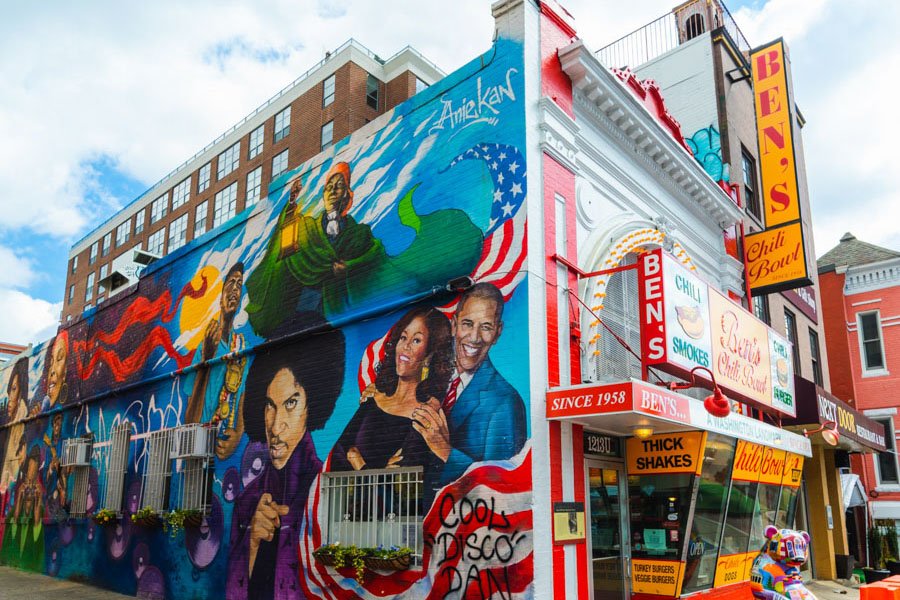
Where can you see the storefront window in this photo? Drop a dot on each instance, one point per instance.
(709, 513)
(787, 507)
(659, 514)
(740, 517)
(764, 514)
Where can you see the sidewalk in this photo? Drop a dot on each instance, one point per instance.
(826, 589)
(18, 585)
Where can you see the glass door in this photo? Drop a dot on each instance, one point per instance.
(607, 519)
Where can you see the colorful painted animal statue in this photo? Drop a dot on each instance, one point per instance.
(775, 574)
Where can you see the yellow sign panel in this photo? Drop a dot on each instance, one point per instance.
(774, 127)
(661, 577)
(665, 453)
(793, 470)
(776, 258)
(747, 461)
(740, 347)
(771, 468)
(733, 568)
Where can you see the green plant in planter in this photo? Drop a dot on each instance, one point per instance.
(876, 547)
(338, 555)
(174, 521)
(105, 516)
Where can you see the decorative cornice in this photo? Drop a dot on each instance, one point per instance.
(648, 93)
(871, 277)
(616, 109)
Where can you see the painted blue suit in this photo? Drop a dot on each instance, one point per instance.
(487, 422)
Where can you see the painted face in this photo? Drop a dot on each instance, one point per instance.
(57, 428)
(475, 329)
(336, 193)
(296, 188)
(285, 416)
(57, 372)
(231, 293)
(13, 404)
(411, 348)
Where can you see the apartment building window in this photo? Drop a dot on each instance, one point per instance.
(89, 288)
(123, 232)
(886, 470)
(420, 85)
(790, 329)
(74, 264)
(256, 142)
(279, 164)
(158, 472)
(181, 193)
(254, 185)
(200, 219)
(178, 232)
(116, 466)
(761, 309)
(159, 208)
(751, 198)
(94, 249)
(139, 222)
(327, 134)
(71, 293)
(226, 202)
(203, 178)
(372, 92)
(157, 243)
(104, 271)
(107, 243)
(816, 358)
(228, 160)
(869, 327)
(282, 124)
(328, 91)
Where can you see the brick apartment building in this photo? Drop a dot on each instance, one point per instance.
(347, 89)
(860, 285)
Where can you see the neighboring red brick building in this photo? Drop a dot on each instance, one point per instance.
(860, 285)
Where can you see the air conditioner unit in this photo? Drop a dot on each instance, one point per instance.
(76, 453)
(193, 441)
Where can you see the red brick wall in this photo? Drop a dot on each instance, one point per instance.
(831, 287)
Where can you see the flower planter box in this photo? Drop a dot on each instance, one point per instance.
(105, 522)
(148, 522)
(324, 559)
(193, 520)
(397, 563)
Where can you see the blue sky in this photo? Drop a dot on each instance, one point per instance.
(103, 99)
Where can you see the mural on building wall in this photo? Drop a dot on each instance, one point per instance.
(706, 146)
(316, 334)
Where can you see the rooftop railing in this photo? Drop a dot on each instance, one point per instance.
(260, 108)
(671, 30)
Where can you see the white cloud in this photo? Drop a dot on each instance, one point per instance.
(24, 319)
(15, 270)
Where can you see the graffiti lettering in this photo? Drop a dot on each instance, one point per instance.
(482, 108)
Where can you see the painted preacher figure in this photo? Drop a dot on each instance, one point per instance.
(482, 417)
(291, 391)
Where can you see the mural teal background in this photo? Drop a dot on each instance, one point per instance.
(277, 329)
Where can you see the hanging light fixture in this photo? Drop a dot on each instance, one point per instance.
(829, 430)
(716, 403)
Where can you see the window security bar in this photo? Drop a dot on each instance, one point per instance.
(157, 474)
(377, 507)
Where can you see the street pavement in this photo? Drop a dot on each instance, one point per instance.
(825, 589)
(19, 585)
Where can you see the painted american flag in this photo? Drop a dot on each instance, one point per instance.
(503, 251)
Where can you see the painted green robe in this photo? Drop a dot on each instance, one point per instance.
(447, 245)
